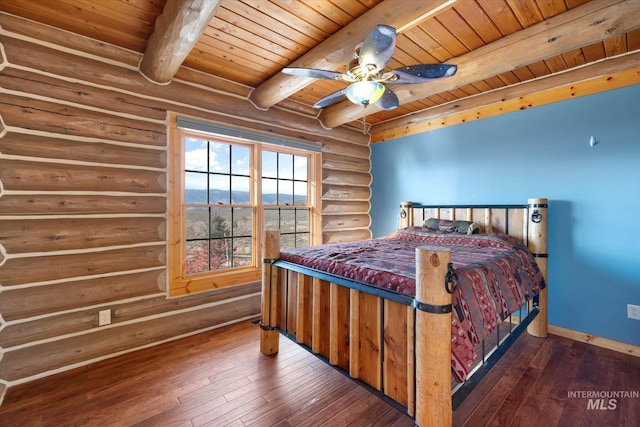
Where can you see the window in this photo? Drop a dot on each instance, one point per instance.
(217, 198)
(223, 193)
(285, 197)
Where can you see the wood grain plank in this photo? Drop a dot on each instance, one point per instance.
(549, 360)
(501, 15)
(79, 94)
(370, 349)
(21, 175)
(36, 301)
(73, 204)
(477, 19)
(82, 20)
(526, 11)
(226, 17)
(83, 149)
(460, 29)
(482, 403)
(395, 367)
(41, 268)
(48, 356)
(29, 113)
(321, 314)
(339, 346)
(19, 25)
(256, 17)
(304, 315)
(345, 163)
(199, 371)
(49, 235)
(217, 31)
(338, 222)
(333, 12)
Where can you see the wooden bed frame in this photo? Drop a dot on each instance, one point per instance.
(397, 345)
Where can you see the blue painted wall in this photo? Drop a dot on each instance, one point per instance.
(593, 192)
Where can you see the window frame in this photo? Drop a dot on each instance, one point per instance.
(179, 283)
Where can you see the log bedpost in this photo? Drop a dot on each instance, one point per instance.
(537, 238)
(433, 337)
(269, 337)
(405, 215)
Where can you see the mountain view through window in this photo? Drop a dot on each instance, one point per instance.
(222, 202)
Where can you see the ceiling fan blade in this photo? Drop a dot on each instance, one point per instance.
(421, 73)
(313, 73)
(329, 99)
(377, 49)
(388, 100)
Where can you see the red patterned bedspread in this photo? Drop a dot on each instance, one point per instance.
(497, 274)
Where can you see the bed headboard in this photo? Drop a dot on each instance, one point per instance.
(514, 220)
(526, 222)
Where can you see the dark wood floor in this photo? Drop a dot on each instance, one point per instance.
(219, 378)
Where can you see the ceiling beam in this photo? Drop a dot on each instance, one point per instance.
(176, 32)
(497, 101)
(584, 25)
(337, 50)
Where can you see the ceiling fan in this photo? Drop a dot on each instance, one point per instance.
(366, 73)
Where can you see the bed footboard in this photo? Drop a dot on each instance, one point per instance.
(391, 331)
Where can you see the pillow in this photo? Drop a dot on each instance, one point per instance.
(463, 227)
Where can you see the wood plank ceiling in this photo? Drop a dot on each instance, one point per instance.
(498, 45)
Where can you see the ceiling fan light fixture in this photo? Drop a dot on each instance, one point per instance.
(365, 92)
(365, 73)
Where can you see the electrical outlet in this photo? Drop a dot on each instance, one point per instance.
(104, 317)
(633, 311)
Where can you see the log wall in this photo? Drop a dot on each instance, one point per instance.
(83, 198)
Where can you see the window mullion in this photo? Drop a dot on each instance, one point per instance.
(255, 199)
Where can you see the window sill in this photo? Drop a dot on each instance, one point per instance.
(212, 281)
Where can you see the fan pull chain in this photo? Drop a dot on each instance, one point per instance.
(364, 120)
